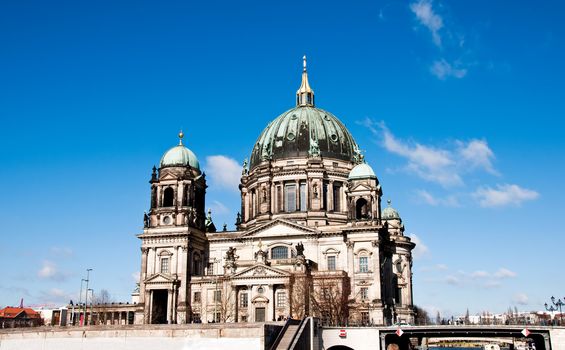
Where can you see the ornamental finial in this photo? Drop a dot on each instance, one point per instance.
(388, 202)
(305, 94)
(181, 135)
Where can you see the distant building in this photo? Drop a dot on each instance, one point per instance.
(12, 317)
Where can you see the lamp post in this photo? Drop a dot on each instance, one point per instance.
(79, 306)
(550, 309)
(86, 294)
(558, 304)
(90, 320)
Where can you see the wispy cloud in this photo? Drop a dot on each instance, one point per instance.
(504, 195)
(476, 279)
(504, 273)
(521, 299)
(54, 297)
(421, 249)
(428, 198)
(219, 208)
(443, 69)
(224, 172)
(441, 165)
(427, 17)
(50, 271)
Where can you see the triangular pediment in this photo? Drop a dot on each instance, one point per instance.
(280, 227)
(360, 187)
(261, 270)
(159, 278)
(168, 176)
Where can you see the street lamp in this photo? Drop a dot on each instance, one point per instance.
(86, 294)
(80, 302)
(90, 320)
(550, 308)
(558, 304)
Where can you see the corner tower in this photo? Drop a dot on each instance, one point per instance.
(173, 244)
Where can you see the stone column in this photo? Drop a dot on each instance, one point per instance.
(330, 196)
(273, 306)
(376, 269)
(169, 306)
(143, 274)
(149, 318)
(351, 267)
(297, 199)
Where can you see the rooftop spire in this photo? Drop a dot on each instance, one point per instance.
(305, 95)
(181, 135)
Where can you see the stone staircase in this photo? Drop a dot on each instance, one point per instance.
(287, 337)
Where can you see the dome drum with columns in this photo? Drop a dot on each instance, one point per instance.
(310, 224)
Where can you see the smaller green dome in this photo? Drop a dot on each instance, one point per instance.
(362, 171)
(389, 213)
(179, 156)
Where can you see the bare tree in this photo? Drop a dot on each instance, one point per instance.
(226, 305)
(101, 302)
(300, 296)
(422, 317)
(329, 299)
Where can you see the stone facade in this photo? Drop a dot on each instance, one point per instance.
(311, 237)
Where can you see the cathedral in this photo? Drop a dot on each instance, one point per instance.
(311, 237)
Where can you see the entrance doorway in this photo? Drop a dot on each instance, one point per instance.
(159, 307)
(260, 314)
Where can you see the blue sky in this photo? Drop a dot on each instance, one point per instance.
(457, 105)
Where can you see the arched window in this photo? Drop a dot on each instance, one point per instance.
(361, 209)
(168, 197)
(279, 252)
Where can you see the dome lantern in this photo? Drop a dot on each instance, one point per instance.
(305, 94)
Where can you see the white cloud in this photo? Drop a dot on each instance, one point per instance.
(50, 271)
(428, 18)
(428, 198)
(219, 208)
(443, 69)
(480, 274)
(504, 273)
(477, 154)
(224, 172)
(54, 297)
(442, 267)
(421, 249)
(504, 195)
(521, 299)
(445, 166)
(429, 163)
(452, 280)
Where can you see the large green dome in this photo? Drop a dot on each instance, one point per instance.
(302, 131)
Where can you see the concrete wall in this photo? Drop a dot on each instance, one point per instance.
(135, 338)
(557, 338)
(363, 338)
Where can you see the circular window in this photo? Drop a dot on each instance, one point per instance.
(290, 136)
(333, 137)
(260, 290)
(167, 220)
(294, 117)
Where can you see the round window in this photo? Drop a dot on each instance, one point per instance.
(290, 136)
(167, 220)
